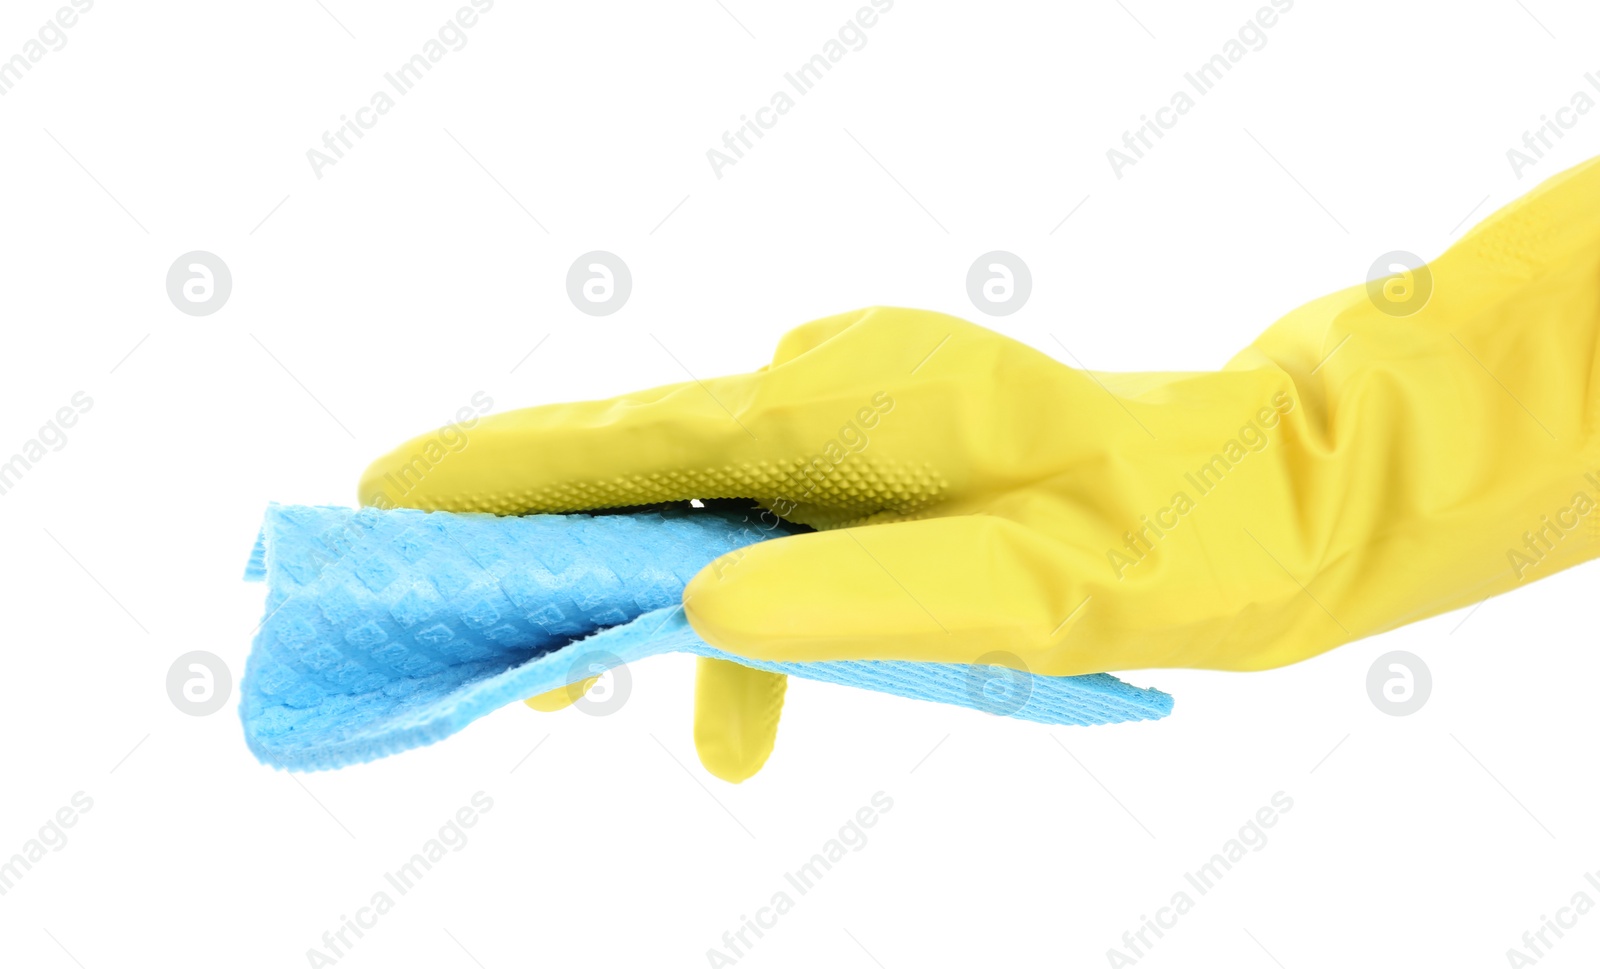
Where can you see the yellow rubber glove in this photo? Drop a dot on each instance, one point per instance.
(1369, 461)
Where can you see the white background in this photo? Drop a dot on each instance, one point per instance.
(375, 301)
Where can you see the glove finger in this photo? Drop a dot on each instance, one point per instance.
(640, 448)
(950, 590)
(736, 711)
(771, 436)
(561, 697)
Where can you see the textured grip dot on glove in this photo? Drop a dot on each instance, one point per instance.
(387, 630)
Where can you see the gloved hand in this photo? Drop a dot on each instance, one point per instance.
(1353, 470)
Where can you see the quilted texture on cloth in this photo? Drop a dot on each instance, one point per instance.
(387, 630)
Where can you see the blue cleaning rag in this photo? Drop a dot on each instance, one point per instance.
(387, 630)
